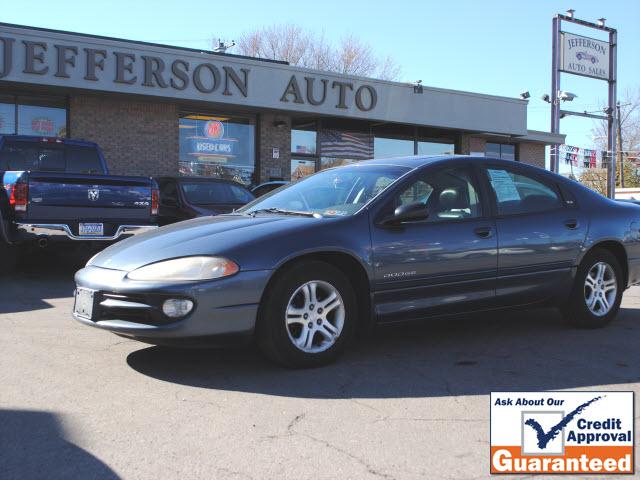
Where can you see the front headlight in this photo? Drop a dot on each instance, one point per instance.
(185, 269)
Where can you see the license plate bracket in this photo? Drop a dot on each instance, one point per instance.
(90, 229)
(84, 303)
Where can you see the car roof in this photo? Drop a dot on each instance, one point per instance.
(417, 161)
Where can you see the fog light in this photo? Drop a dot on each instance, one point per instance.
(177, 307)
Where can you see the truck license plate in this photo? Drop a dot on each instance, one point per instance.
(83, 306)
(91, 229)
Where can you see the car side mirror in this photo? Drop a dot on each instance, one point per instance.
(410, 212)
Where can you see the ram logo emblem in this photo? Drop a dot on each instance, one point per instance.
(93, 194)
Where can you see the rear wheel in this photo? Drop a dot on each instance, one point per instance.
(308, 317)
(597, 293)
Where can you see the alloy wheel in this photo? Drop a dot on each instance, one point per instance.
(600, 289)
(315, 316)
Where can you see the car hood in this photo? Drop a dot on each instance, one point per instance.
(199, 236)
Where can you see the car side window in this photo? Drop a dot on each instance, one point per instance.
(448, 194)
(240, 195)
(518, 194)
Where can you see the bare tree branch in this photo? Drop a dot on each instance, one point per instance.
(292, 44)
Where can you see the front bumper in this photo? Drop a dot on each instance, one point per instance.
(57, 231)
(226, 306)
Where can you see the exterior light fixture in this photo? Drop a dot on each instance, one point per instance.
(546, 98)
(601, 22)
(525, 95)
(279, 124)
(566, 96)
(570, 12)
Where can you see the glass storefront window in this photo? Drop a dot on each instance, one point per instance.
(303, 142)
(391, 147)
(217, 146)
(508, 152)
(301, 168)
(500, 150)
(330, 162)
(7, 118)
(435, 148)
(42, 121)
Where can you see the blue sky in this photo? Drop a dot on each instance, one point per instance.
(492, 46)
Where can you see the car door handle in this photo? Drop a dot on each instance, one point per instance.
(571, 224)
(483, 232)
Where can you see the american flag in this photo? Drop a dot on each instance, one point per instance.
(355, 145)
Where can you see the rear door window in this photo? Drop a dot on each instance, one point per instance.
(518, 194)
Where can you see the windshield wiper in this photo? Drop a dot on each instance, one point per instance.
(283, 211)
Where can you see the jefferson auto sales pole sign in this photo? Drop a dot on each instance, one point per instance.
(584, 56)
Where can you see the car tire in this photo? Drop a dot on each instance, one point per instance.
(308, 316)
(597, 292)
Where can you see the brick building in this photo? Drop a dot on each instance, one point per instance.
(160, 110)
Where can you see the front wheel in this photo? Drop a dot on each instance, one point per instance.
(308, 316)
(597, 293)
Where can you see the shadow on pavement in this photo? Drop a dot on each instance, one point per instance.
(41, 274)
(531, 350)
(32, 445)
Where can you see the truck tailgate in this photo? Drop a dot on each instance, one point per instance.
(62, 197)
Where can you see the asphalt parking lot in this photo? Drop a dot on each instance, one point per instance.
(409, 403)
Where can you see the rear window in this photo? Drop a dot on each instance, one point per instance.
(201, 193)
(48, 157)
(83, 160)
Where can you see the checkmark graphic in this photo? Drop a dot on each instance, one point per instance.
(545, 437)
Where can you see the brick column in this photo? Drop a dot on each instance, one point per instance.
(274, 132)
(532, 153)
(137, 138)
(469, 143)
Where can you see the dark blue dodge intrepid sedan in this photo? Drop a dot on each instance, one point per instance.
(304, 268)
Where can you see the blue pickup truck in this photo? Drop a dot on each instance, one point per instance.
(59, 190)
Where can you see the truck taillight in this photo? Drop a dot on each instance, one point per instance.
(155, 201)
(19, 197)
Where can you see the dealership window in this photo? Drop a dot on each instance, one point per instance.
(303, 142)
(302, 167)
(435, 148)
(40, 116)
(505, 151)
(219, 146)
(384, 147)
(342, 147)
(304, 148)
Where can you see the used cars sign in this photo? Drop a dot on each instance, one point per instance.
(585, 56)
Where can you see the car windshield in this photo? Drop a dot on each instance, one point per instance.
(211, 193)
(336, 192)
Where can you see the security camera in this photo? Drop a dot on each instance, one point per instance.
(566, 96)
(525, 95)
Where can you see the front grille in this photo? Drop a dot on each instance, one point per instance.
(138, 308)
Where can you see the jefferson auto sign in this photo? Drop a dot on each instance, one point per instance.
(584, 56)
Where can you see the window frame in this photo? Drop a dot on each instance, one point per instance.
(547, 182)
(382, 208)
(516, 150)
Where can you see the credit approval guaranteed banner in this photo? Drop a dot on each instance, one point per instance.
(562, 432)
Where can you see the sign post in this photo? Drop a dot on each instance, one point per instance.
(587, 57)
